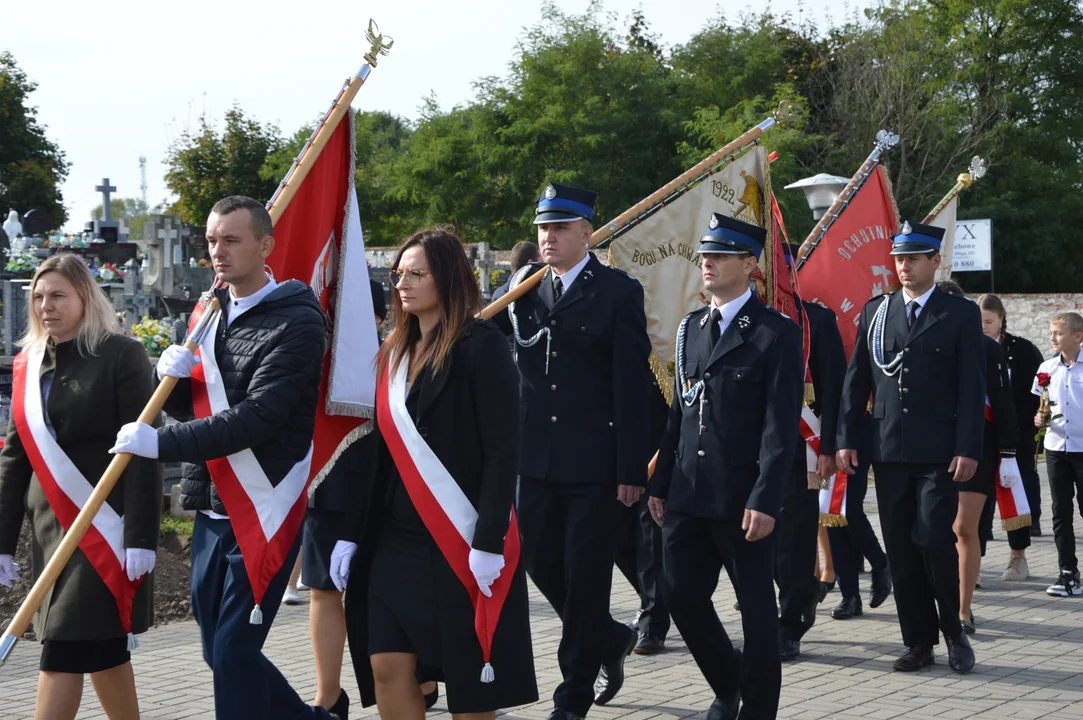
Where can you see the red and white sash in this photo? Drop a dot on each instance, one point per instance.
(446, 511)
(67, 490)
(265, 518)
(1014, 508)
(833, 490)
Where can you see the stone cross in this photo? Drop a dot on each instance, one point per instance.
(167, 235)
(105, 188)
(483, 263)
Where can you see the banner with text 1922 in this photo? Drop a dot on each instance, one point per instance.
(660, 252)
(853, 264)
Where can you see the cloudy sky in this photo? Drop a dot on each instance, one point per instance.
(121, 79)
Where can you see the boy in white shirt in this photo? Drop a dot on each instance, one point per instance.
(1060, 384)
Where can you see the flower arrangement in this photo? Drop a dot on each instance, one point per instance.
(1047, 405)
(155, 335)
(106, 272)
(21, 261)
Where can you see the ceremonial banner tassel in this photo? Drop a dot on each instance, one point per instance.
(653, 203)
(306, 160)
(833, 501)
(846, 259)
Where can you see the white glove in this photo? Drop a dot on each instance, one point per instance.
(9, 570)
(486, 568)
(1009, 473)
(138, 439)
(138, 562)
(176, 361)
(341, 557)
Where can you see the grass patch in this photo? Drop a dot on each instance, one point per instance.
(177, 525)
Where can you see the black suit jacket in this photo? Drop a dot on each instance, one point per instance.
(585, 392)
(753, 385)
(468, 413)
(998, 388)
(827, 365)
(933, 409)
(1024, 359)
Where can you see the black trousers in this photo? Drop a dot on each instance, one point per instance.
(639, 558)
(857, 539)
(1065, 485)
(797, 529)
(918, 505)
(570, 535)
(694, 552)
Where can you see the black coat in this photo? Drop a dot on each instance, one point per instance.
(468, 413)
(998, 389)
(271, 359)
(827, 365)
(1024, 359)
(933, 409)
(585, 404)
(754, 382)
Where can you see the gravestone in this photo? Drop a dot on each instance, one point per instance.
(134, 303)
(37, 222)
(16, 297)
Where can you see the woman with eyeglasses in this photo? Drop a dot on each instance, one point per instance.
(430, 544)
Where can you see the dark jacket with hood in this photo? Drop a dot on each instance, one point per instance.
(270, 359)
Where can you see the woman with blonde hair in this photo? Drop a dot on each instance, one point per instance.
(77, 380)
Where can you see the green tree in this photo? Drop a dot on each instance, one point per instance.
(31, 166)
(204, 166)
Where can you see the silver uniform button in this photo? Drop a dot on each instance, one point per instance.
(702, 453)
(553, 354)
(905, 410)
(706, 376)
(553, 323)
(553, 419)
(610, 423)
(552, 387)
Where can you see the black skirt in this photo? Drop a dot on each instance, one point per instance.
(985, 477)
(321, 532)
(83, 656)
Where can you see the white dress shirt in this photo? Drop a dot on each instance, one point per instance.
(569, 277)
(922, 300)
(1066, 390)
(729, 310)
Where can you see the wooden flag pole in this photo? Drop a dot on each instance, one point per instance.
(965, 180)
(644, 208)
(277, 205)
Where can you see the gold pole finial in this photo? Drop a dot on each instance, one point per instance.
(379, 47)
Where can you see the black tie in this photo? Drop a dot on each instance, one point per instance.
(558, 287)
(716, 330)
(914, 307)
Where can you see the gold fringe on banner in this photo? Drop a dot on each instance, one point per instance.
(1017, 522)
(829, 520)
(810, 394)
(815, 482)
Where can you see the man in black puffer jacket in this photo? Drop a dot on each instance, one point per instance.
(248, 415)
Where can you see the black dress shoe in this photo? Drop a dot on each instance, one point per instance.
(960, 654)
(341, 708)
(915, 659)
(560, 714)
(825, 588)
(725, 708)
(849, 608)
(788, 649)
(611, 676)
(808, 613)
(881, 587)
(431, 698)
(649, 645)
(968, 626)
(1035, 530)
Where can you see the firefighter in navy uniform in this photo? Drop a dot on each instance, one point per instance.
(582, 350)
(724, 465)
(919, 354)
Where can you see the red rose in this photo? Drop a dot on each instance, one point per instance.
(1043, 379)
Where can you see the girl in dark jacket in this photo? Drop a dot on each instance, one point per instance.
(430, 542)
(77, 381)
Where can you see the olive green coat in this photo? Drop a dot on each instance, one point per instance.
(90, 398)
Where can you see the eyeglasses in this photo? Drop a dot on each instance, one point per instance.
(409, 278)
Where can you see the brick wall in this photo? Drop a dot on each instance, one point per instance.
(1028, 315)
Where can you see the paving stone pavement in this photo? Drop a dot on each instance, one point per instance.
(1029, 648)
